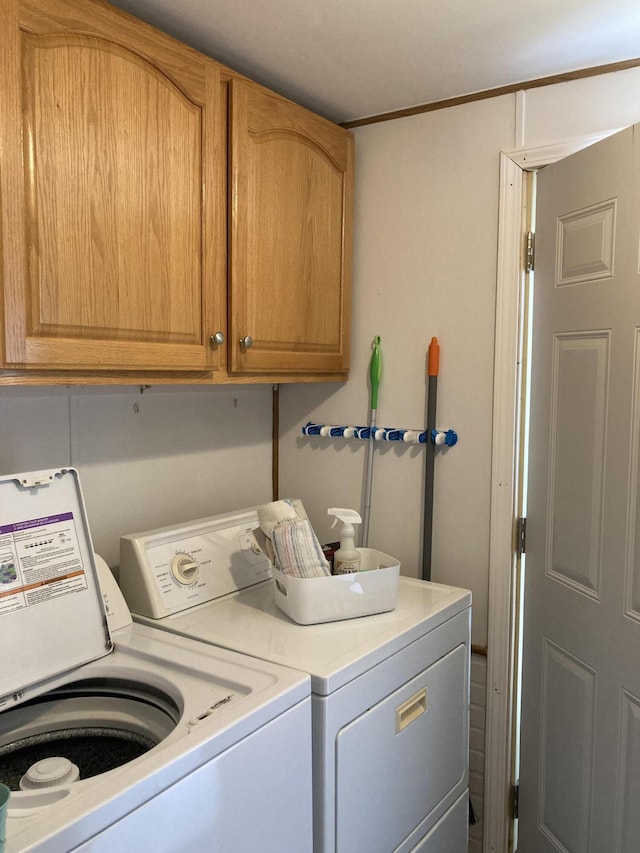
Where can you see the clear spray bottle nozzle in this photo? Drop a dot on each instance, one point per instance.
(346, 516)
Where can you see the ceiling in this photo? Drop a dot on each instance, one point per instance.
(349, 59)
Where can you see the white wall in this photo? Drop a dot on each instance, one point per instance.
(145, 460)
(425, 264)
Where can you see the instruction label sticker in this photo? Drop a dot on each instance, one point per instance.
(39, 560)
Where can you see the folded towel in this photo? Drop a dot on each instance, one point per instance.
(297, 550)
(272, 514)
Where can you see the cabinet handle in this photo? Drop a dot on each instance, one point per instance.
(411, 710)
(246, 342)
(218, 339)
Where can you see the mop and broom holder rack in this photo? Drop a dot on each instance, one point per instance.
(437, 437)
(431, 438)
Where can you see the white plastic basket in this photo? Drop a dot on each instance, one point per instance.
(374, 589)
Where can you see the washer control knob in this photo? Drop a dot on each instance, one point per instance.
(184, 569)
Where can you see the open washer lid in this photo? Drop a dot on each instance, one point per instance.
(52, 617)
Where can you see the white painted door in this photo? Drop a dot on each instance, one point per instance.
(580, 758)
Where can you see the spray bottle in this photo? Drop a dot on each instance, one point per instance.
(347, 558)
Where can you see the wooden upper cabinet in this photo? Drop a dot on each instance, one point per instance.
(291, 186)
(113, 188)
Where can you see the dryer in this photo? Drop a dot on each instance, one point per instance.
(390, 692)
(120, 736)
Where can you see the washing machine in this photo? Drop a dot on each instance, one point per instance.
(117, 736)
(390, 691)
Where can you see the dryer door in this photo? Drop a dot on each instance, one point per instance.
(404, 757)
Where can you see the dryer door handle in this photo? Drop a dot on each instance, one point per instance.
(411, 709)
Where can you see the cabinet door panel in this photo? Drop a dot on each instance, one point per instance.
(290, 236)
(123, 193)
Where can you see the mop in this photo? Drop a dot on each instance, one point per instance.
(375, 375)
(433, 367)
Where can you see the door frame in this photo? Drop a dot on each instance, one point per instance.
(500, 719)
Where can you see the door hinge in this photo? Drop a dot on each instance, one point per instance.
(515, 796)
(530, 251)
(521, 536)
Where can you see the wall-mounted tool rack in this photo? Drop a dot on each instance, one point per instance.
(438, 437)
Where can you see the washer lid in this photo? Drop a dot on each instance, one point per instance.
(52, 617)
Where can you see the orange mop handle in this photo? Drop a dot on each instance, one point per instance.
(433, 367)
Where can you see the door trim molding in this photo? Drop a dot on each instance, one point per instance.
(504, 468)
(497, 771)
(544, 155)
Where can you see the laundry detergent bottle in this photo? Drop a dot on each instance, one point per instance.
(347, 558)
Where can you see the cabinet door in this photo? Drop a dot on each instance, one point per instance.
(113, 192)
(290, 248)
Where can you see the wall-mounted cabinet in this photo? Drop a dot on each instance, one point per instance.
(123, 171)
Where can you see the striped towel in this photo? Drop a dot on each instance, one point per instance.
(297, 550)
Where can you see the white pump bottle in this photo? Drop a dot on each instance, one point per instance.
(347, 558)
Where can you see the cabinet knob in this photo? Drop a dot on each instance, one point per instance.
(218, 338)
(246, 342)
